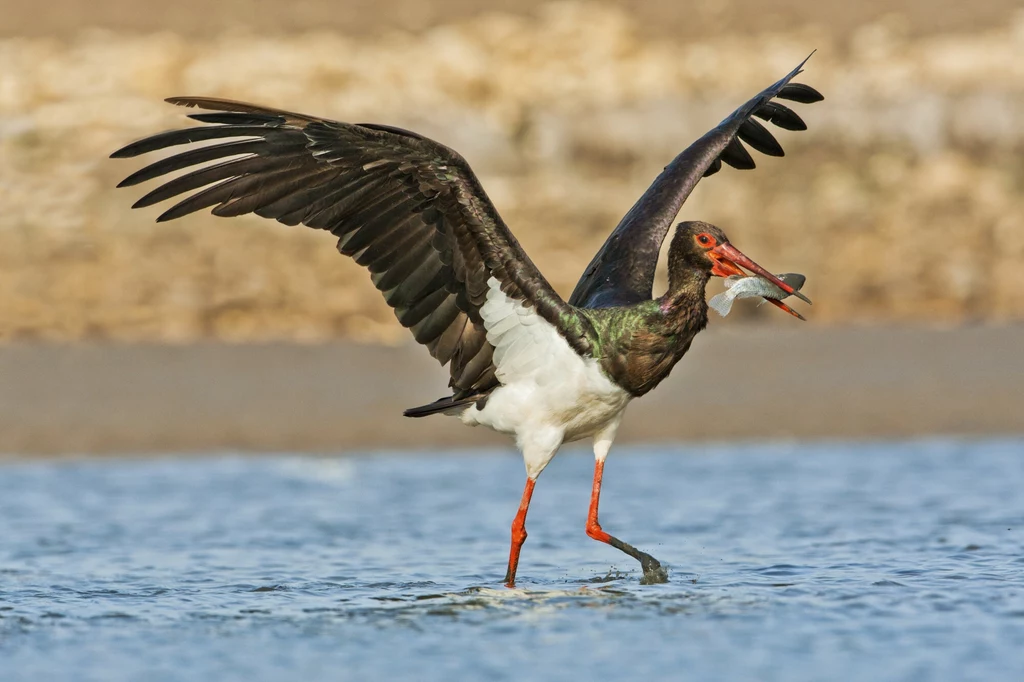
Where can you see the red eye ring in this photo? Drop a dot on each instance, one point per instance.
(704, 239)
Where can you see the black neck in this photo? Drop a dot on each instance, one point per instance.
(686, 291)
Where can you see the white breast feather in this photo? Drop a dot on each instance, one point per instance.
(549, 393)
(524, 343)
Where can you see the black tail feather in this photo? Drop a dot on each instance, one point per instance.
(442, 405)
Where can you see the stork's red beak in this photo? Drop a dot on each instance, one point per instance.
(785, 308)
(728, 260)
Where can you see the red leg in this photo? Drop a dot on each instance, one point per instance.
(518, 534)
(653, 572)
(593, 527)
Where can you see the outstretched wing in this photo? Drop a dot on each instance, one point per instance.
(407, 208)
(622, 272)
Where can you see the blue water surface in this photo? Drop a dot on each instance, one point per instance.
(875, 561)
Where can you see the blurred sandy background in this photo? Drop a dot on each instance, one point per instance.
(903, 203)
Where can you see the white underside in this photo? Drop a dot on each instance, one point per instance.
(549, 395)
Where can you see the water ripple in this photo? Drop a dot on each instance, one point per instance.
(280, 568)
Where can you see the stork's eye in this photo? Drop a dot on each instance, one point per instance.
(705, 239)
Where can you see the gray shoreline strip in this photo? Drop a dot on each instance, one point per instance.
(745, 382)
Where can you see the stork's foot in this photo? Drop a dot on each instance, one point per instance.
(654, 572)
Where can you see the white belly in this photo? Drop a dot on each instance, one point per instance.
(549, 393)
(578, 403)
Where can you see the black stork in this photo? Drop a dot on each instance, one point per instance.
(523, 361)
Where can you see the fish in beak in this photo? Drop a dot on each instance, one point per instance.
(728, 261)
(741, 286)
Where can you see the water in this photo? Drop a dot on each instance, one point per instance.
(787, 562)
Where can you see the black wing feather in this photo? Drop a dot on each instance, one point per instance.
(758, 137)
(623, 270)
(737, 156)
(715, 166)
(781, 115)
(408, 208)
(798, 92)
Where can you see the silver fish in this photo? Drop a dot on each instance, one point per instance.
(739, 286)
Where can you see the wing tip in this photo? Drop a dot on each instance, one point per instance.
(189, 102)
(800, 66)
(214, 104)
(144, 202)
(239, 107)
(168, 215)
(808, 95)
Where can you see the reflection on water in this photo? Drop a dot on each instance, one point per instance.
(790, 562)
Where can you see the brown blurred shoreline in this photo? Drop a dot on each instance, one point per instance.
(903, 202)
(738, 382)
(661, 18)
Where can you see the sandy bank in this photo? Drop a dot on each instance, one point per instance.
(738, 382)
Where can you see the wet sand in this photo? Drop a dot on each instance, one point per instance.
(741, 382)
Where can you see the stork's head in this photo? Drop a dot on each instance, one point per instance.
(701, 250)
